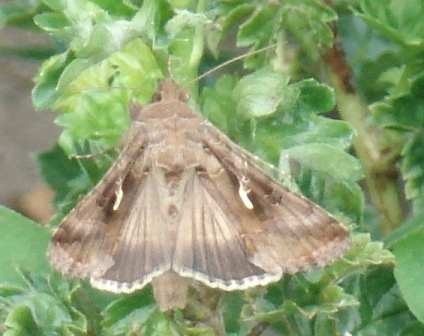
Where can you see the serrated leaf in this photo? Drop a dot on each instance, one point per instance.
(363, 253)
(404, 112)
(311, 16)
(96, 111)
(382, 310)
(326, 300)
(48, 308)
(258, 28)
(99, 35)
(400, 23)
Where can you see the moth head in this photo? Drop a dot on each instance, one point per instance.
(168, 90)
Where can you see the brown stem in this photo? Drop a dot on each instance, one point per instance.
(380, 180)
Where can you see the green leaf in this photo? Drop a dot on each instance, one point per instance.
(304, 310)
(129, 311)
(160, 324)
(49, 306)
(363, 253)
(382, 310)
(51, 163)
(329, 160)
(399, 22)
(335, 133)
(184, 19)
(409, 270)
(342, 198)
(51, 22)
(22, 322)
(97, 111)
(412, 168)
(260, 93)
(230, 14)
(413, 225)
(19, 13)
(99, 35)
(312, 16)
(23, 244)
(315, 97)
(217, 103)
(44, 93)
(296, 121)
(402, 111)
(258, 28)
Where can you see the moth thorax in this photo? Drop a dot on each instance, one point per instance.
(175, 159)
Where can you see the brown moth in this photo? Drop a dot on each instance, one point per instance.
(182, 203)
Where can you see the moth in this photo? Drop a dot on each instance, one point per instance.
(183, 203)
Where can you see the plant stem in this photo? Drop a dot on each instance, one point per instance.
(380, 180)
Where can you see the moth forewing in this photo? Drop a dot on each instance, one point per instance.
(182, 200)
(290, 230)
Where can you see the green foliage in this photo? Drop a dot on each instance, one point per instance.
(114, 52)
(23, 243)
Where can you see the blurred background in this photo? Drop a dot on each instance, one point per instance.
(23, 131)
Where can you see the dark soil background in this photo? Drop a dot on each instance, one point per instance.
(23, 131)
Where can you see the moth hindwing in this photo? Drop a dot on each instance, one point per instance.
(183, 202)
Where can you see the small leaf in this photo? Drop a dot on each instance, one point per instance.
(315, 97)
(312, 16)
(363, 253)
(44, 93)
(258, 28)
(21, 320)
(260, 93)
(129, 310)
(51, 22)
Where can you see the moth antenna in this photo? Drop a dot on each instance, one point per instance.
(207, 73)
(263, 163)
(169, 65)
(91, 155)
(272, 168)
